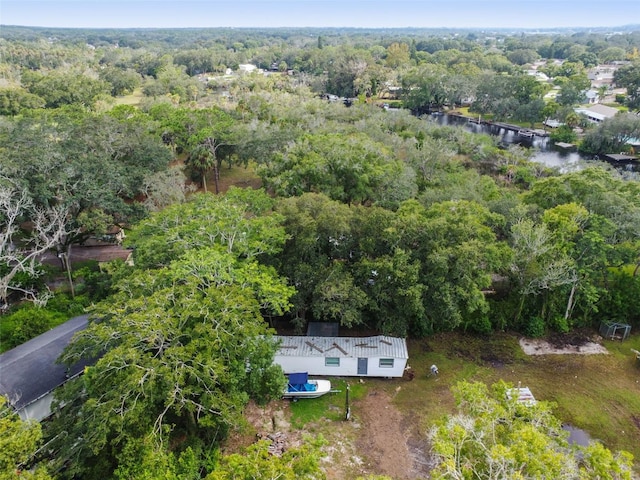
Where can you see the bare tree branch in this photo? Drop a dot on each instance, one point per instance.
(20, 248)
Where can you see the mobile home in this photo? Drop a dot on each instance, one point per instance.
(378, 356)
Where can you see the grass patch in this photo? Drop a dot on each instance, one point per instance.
(236, 176)
(331, 406)
(597, 393)
(132, 99)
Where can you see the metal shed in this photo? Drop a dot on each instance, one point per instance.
(379, 356)
(614, 330)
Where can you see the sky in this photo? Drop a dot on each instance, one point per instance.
(320, 13)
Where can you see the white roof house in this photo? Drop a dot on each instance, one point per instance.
(541, 76)
(379, 356)
(598, 113)
(247, 67)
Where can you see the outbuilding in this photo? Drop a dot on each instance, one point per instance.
(378, 356)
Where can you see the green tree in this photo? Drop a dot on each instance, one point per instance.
(122, 81)
(628, 76)
(13, 100)
(397, 55)
(494, 437)
(612, 135)
(538, 267)
(59, 88)
(319, 239)
(458, 252)
(206, 135)
(181, 348)
(256, 462)
(19, 441)
(349, 168)
(425, 89)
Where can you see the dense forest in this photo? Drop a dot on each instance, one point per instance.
(259, 181)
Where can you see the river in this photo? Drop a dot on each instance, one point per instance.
(544, 150)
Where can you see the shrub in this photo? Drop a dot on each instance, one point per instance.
(26, 323)
(535, 327)
(559, 324)
(70, 307)
(564, 133)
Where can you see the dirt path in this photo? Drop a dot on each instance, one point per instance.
(378, 440)
(382, 440)
(389, 441)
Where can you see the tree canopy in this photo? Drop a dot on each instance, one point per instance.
(180, 347)
(495, 437)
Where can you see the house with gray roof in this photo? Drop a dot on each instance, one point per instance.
(597, 113)
(29, 373)
(378, 356)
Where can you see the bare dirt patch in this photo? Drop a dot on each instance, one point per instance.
(382, 440)
(555, 347)
(389, 441)
(378, 440)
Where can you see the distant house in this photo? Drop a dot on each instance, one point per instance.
(540, 76)
(379, 356)
(592, 96)
(247, 68)
(29, 373)
(598, 113)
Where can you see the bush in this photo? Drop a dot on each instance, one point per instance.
(94, 282)
(70, 307)
(26, 323)
(564, 134)
(29, 321)
(535, 327)
(559, 324)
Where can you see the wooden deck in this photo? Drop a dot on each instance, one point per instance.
(621, 157)
(523, 132)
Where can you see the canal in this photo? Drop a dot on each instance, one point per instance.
(545, 151)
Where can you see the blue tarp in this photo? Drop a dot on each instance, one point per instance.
(302, 387)
(299, 382)
(298, 378)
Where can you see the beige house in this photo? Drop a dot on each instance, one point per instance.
(597, 113)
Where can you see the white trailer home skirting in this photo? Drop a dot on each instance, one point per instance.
(378, 356)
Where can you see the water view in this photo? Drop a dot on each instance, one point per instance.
(545, 151)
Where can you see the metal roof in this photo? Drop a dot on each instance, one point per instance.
(345, 347)
(29, 371)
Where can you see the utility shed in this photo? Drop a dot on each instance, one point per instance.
(29, 373)
(378, 356)
(522, 395)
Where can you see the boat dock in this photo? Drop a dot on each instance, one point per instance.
(523, 132)
(620, 157)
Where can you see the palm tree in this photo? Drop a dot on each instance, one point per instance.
(602, 92)
(203, 159)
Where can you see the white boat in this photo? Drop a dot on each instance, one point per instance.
(301, 386)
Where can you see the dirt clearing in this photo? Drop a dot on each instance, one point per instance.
(377, 439)
(542, 347)
(389, 441)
